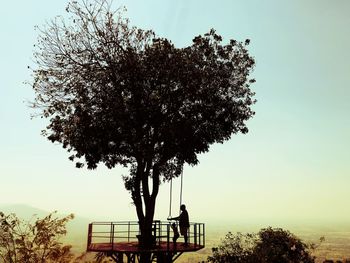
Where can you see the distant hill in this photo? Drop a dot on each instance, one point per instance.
(23, 211)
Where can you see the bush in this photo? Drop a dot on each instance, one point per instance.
(33, 242)
(270, 245)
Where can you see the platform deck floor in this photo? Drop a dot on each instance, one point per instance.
(133, 247)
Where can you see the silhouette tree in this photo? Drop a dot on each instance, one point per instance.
(280, 246)
(270, 245)
(37, 242)
(120, 95)
(236, 248)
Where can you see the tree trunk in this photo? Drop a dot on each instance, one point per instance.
(145, 206)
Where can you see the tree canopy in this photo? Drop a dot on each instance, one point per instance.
(116, 93)
(120, 95)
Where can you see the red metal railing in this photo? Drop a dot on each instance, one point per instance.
(111, 233)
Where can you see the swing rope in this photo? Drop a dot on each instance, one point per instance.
(171, 196)
(181, 190)
(171, 193)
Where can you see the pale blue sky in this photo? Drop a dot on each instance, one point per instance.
(293, 164)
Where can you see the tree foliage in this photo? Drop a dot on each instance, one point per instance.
(33, 242)
(234, 248)
(115, 93)
(270, 245)
(120, 95)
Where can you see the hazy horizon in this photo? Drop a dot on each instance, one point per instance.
(336, 245)
(26, 211)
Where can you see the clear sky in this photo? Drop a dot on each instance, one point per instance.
(292, 166)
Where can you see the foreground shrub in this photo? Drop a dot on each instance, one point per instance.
(270, 245)
(33, 242)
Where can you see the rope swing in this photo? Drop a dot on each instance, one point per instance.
(171, 193)
(171, 196)
(181, 190)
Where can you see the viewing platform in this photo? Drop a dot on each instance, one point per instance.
(120, 240)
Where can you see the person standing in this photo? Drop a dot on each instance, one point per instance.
(176, 233)
(184, 223)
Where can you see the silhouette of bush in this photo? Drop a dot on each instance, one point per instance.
(33, 242)
(270, 245)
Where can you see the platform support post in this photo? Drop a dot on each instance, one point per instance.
(166, 257)
(131, 258)
(159, 257)
(117, 257)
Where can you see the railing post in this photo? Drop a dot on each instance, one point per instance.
(203, 234)
(189, 234)
(89, 237)
(112, 235)
(128, 231)
(160, 232)
(168, 235)
(195, 234)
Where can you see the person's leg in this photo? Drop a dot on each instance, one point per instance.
(184, 231)
(185, 237)
(175, 239)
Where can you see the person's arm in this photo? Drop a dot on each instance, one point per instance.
(174, 218)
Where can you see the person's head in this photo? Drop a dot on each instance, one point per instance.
(173, 225)
(182, 207)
